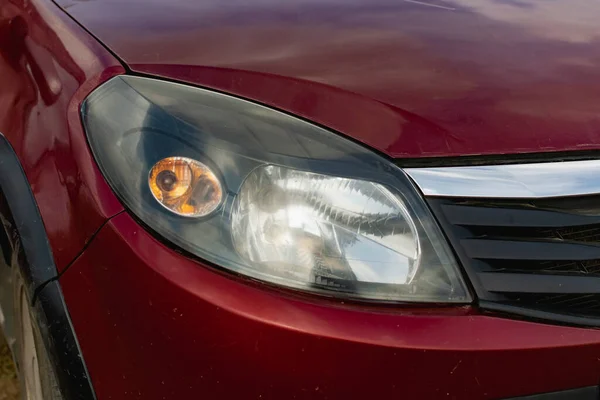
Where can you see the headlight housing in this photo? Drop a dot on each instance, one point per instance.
(267, 195)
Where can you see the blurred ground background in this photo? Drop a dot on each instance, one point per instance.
(9, 389)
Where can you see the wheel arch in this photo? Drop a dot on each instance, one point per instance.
(26, 253)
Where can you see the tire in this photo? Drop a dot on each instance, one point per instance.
(36, 374)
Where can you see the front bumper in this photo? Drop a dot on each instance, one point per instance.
(153, 324)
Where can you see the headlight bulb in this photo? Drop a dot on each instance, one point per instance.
(185, 187)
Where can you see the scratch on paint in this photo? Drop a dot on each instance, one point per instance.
(430, 5)
(456, 366)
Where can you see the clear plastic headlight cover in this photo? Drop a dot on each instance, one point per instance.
(289, 203)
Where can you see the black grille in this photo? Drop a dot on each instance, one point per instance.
(588, 305)
(591, 267)
(533, 254)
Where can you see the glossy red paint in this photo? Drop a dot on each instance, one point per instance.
(409, 78)
(48, 65)
(154, 324)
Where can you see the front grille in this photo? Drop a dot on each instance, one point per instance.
(560, 267)
(536, 254)
(587, 305)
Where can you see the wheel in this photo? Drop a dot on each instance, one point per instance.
(36, 375)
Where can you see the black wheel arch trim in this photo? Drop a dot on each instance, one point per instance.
(60, 341)
(23, 235)
(23, 227)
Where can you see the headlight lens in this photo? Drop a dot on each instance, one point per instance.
(264, 194)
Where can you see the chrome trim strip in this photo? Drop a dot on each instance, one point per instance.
(536, 180)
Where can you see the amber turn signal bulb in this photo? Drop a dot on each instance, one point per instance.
(185, 187)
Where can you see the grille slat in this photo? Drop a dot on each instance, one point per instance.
(470, 214)
(529, 250)
(528, 283)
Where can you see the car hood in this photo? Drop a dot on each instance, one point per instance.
(409, 78)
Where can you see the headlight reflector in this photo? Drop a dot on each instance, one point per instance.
(274, 198)
(324, 230)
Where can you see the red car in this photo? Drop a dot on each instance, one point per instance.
(262, 199)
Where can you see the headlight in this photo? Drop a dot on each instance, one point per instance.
(261, 193)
